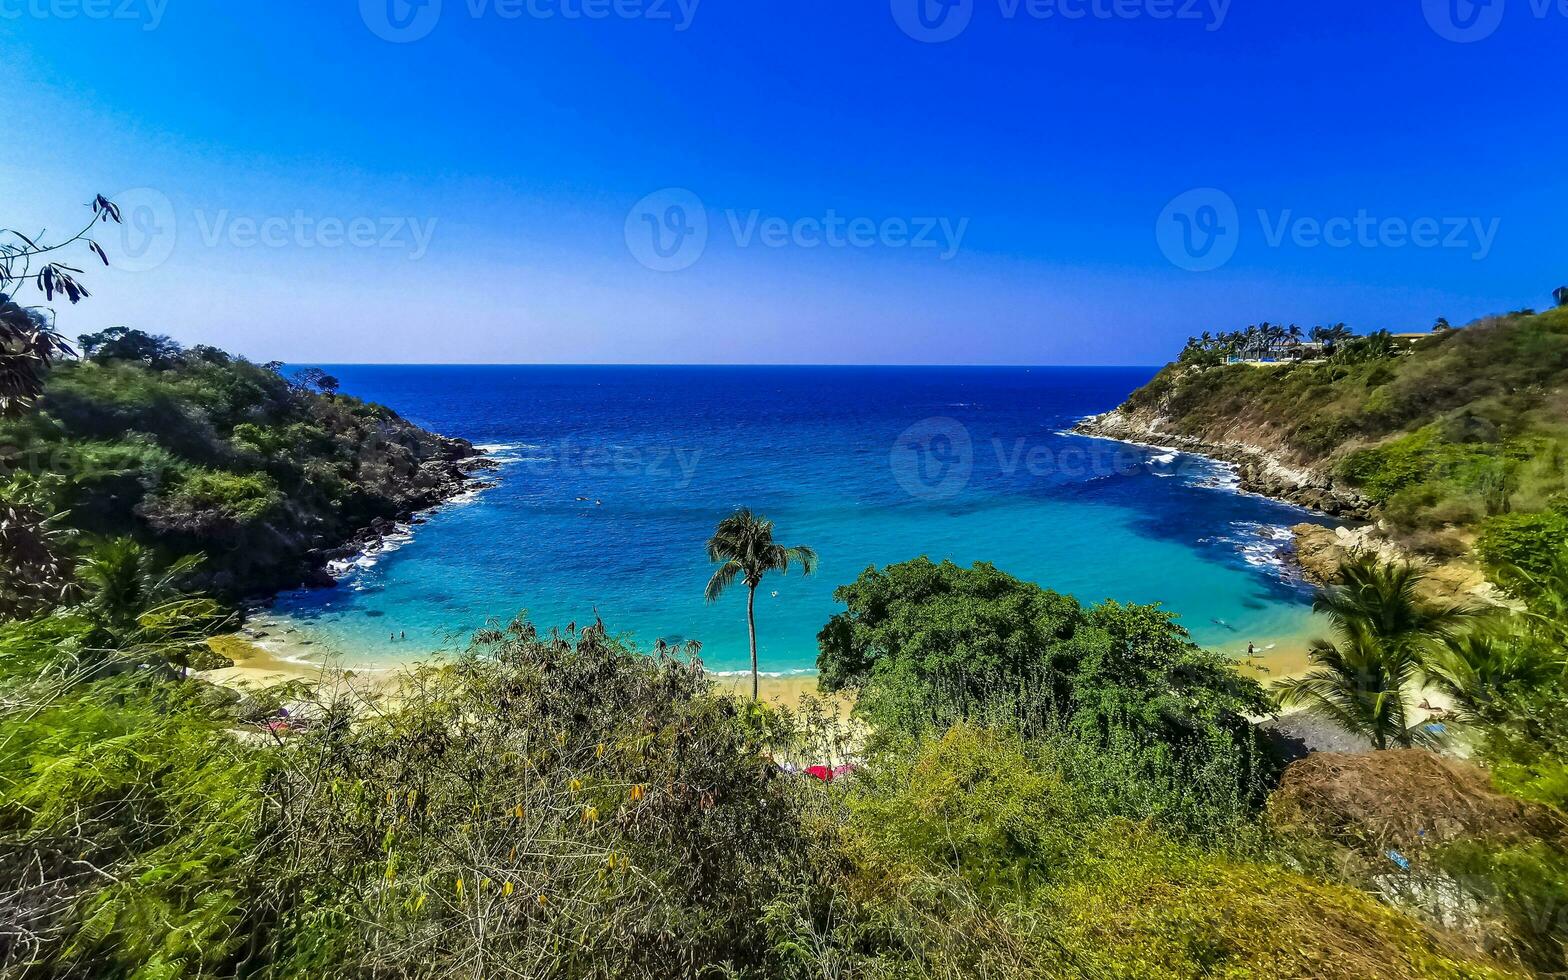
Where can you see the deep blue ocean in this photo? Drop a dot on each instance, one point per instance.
(612, 478)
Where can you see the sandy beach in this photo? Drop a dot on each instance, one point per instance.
(280, 655)
(277, 658)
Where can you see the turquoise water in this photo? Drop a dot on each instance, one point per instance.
(611, 479)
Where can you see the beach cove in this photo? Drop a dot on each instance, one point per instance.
(609, 481)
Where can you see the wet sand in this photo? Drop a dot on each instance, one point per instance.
(276, 659)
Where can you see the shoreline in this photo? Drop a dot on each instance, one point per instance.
(1257, 470)
(271, 658)
(1317, 551)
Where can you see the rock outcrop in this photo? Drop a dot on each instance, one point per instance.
(1261, 470)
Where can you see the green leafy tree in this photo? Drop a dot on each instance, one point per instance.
(744, 549)
(28, 343)
(125, 344)
(1383, 599)
(1362, 686)
(315, 379)
(927, 645)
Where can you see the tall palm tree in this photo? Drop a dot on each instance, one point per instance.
(1386, 636)
(743, 545)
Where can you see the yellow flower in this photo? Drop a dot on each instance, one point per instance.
(599, 752)
(419, 902)
(636, 793)
(484, 883)
(575, 785)
(460, 886)
(506, 889)
(519, 811)
(591, 814)
(543, 901)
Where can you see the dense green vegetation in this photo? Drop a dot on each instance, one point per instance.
(552, 805)
(199, 452)
(1462, 434)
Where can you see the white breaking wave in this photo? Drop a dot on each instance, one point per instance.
(1263, 546)
(798, 672)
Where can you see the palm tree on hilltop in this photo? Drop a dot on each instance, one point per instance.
(743, 545)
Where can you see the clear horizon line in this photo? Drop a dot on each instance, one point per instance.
(672, 364)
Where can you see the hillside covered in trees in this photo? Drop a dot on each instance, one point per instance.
(195, 451)
(1458, 441)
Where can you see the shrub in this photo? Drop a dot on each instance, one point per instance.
(205, 496)
(1531, 542)
(568, 809)
(128, 821)
(927, 645)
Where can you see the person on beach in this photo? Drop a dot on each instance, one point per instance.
(1252, 651)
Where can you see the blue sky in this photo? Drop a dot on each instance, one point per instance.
(1038, 188)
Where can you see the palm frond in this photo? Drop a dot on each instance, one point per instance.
(722, 579)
